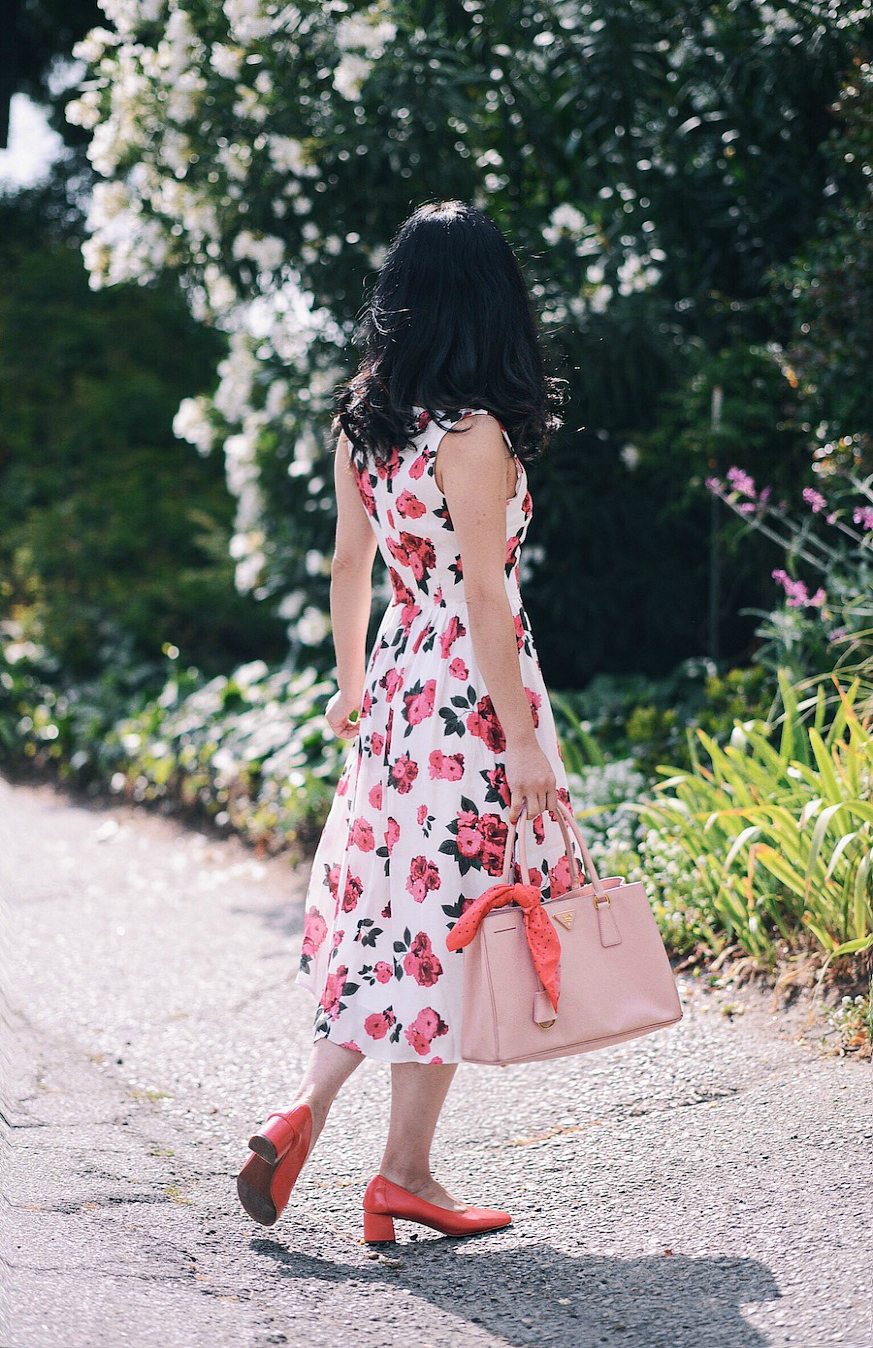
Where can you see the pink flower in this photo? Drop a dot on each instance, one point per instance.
(378, 1025)
(863, 515)
(403, 773)
(384, 973)
(814, 499)
(458, 669)
(423, 877)
(420, 705)
(314, 931)
(362, 835)
(421, 962)
(375, 796)
(426, 1027)
(741, 481)
(333, 990)
(448, 767)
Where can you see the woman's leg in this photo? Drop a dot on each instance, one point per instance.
(418, 1092)
(329, 1067)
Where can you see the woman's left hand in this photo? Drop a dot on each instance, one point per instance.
(338, 710)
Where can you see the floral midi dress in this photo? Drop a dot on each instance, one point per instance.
(418, 824)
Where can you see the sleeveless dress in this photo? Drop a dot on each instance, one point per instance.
(418, 824)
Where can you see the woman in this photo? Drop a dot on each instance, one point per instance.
(454, 729)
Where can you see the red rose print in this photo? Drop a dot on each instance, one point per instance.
(352, 892)
(378, 1025)
(453, 631)
(448, 767)
(384, 973)
(410, 507)
(418, 705)
(392, 833)
(362, 835)
(426, 1027)
(458, 669)
(377, 744)
(403, 773)
(484, 723)
(391, 682)
(421, 962)
(314, 931)
(423, 876)
(333, 989)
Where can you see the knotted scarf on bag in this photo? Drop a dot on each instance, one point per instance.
(545, 946)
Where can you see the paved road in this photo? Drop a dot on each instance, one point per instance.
(705, 1186)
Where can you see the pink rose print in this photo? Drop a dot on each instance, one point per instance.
(350, 1043)
(446, 767)
(391, 682)
(378, 1025)
(453, 631)
(383, 972)
(333, 989)
(535, 702)
(377, 743)
(458, 669)
(421, 962)
(374, 796)
(418, 704)
(331, 879)
(352, 892)
(362, 835)
(423, 876)
(426, 1027)
(314, 931)
(392, 833)
(403, 773)
(421, 815)
(410, 507)
(559, 877)
(484, 723)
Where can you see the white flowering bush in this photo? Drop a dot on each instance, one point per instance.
(268, 151)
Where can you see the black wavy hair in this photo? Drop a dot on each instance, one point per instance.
(449, 324)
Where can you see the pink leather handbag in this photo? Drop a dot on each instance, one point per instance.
(615, 977)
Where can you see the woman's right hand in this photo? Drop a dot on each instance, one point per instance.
(530, 777)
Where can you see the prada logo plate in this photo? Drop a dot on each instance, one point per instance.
(566, 918)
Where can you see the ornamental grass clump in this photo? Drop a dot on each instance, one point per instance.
(762, 843)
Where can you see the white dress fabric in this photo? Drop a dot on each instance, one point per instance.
(417, 827)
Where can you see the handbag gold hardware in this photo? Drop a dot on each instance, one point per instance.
(565, 919)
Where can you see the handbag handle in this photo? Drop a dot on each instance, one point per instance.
(565, 817)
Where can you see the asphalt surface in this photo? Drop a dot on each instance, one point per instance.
(708, 1185)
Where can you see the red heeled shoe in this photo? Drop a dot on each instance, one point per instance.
(384, 1200)
(279, 1130)
(264, 1189)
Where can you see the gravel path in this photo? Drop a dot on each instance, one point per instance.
(707, 1185)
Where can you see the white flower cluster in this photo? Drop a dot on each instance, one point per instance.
(362, 39)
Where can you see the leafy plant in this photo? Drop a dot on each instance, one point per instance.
(763, 840)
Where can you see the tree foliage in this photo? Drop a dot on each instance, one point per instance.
(650, 163)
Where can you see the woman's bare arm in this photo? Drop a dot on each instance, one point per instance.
(351, 592)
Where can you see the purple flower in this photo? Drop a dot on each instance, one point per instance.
(741, 481)
(798, 595)
(713, 484)
(814, 499)
(863, 515)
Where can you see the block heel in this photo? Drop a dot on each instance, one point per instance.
(275, 1136)
(378, 1226)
